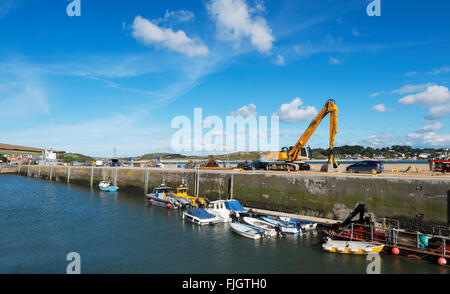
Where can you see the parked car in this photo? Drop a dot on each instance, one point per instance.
(254, 165)
(366, 166)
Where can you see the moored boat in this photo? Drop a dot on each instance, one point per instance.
(306, 226)
(246, 231)
(162, 196)
(268, 228)
(182, 195)
(107, 186)
(352, 247)
(200, 217)
(226, 209)
(285, 227)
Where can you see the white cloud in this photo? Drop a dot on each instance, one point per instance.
(381, 108)
(245, 111)
(431, 139)
(430, 126)
(290, 112)
(377, 94)
(234, 22)
(441, 70)
(179, 16)
(438, 111)
(149, 33)
(432, 96)
(412, 88)
(378, 140)
(280, 60)
(334, 61)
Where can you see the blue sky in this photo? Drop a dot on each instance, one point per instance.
(118, 74)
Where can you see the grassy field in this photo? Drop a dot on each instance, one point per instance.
(68, 157)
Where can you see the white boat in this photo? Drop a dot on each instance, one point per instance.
(268, 229)
(163, 196)
(200, 217)
(225, 208)
(306, 226)
(246, 231)
(352, 247)
(107, 186)
(284, 226)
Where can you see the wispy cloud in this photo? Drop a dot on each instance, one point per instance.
(151, 34)
(22, 91)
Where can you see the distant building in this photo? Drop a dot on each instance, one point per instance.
(48, 158)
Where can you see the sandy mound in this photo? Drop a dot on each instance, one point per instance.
(412, 170)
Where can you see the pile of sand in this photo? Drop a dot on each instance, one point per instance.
(412, 170)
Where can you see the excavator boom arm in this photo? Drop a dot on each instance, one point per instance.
(329, 108)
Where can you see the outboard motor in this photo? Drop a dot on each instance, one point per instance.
(278, 230)
(233, 216)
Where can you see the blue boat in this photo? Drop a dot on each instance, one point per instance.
(306, 226)
(107, 186)
(109, 189)
(286, 227)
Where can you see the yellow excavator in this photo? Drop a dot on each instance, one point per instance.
(293, 158)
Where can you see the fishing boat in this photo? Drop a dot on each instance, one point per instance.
(107, 186)
(268, 228)
(181, 192)
(306, 226)
(162, 196)
(200, 217)
(285, 226)
(226, 209)
(352, 247)
(246, 231)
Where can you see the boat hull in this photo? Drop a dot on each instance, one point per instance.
(269, 229)
(285, 228)
(109, 189)
(352, 247)
(307, 226)
(167, 203)
(245, 231)
(202, 220)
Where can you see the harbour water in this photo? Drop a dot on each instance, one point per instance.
(41, 222)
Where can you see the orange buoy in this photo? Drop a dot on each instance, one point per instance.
(395, 251)
(169, 205)
(442, 261)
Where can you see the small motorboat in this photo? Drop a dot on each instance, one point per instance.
(107, 186)
(286, 227)
(182, 195)
(200, 217)
(352, 247)
(226, 209)
(247, 231)
(162, 196)
(306, 226)
(268, 229)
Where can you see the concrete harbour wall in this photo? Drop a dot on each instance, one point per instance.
(329, 196)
